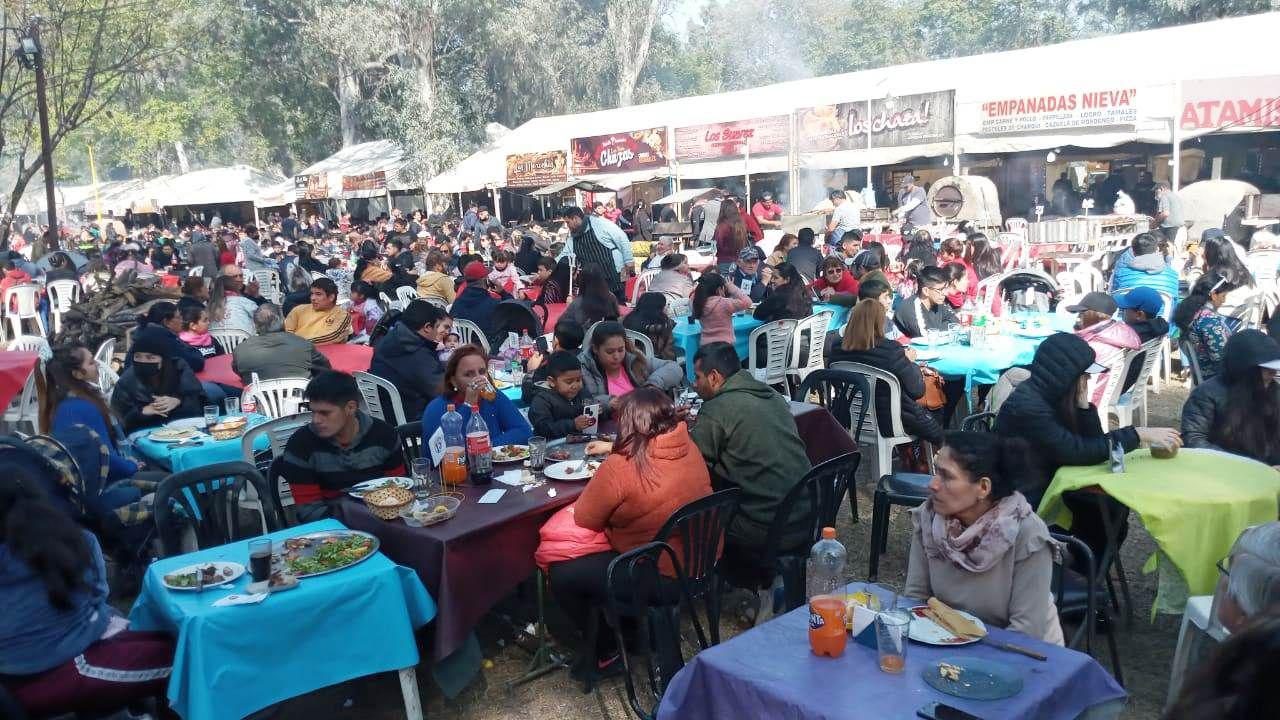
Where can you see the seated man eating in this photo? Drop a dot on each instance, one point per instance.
(322, 322)
(341, 446)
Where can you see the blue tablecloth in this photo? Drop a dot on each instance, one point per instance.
(688, 335)
(186, 457)
(233, 661)
(769, 672)
(983, 366)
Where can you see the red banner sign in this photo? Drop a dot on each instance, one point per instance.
(369, 181)
(1061, 111)
(731, 139)
(619, 152)
(536, 169)
(1228, 103)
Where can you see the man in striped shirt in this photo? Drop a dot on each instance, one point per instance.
(341, 447)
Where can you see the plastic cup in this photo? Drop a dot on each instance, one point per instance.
(232, 404)
(537, 452)
(892, 628)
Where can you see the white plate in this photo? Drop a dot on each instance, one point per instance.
(160, 435)
(926, 354)
(196, 423)
(236, 571)
(931, 633)
(521, 454)
(358, 490)
(560, 471)
(1032, 332)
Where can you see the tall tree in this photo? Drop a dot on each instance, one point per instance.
(631, 24)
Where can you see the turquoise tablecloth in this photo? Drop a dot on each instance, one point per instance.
(983, 366)
(688, 335)
(186, 457)
(233, 661)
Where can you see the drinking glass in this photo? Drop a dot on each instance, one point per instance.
(932, 337)
(423, 478)
(232, 405)
(537, 452)
(260, 559)
(892, 628)
(955, 331)
(210, 415)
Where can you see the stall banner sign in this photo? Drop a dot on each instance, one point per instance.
(536, 169)
(619, 152)
(730, 139)
(369, 181)
(1225, 103)
(1059, 111)
(894, 122)
(311, 187)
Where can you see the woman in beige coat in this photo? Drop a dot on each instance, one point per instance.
(976, 543)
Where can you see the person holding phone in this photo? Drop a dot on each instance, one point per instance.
(568, 407)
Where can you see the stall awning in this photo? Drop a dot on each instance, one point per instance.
(584, 185)
(732, 168)
(685, 195)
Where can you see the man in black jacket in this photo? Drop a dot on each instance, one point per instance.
(407, 357)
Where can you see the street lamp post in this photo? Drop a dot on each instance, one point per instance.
(31, 55)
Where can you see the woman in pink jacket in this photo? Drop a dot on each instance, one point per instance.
(715, 300)
(1110, 338)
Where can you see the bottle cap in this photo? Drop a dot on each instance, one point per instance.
(448, 408)
(828, 533)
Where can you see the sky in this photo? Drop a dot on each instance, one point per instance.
(682, 12)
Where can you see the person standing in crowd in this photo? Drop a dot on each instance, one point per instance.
(642, 218)
(913, 205)
(201, 254)
(730, 236)
(1201, 325)
(751, 275)
(596, 240)
(738, 414)
(978, 545)
(250, 246)
(321, 321)
(273, 353)
(1168, 212)
(341, 446)
(767, 212)
(928, 309)
(715, 301)
(844, 217)
(804, 257)
(1238, 409)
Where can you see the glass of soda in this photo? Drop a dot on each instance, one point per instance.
(892, 628)
(260, 559)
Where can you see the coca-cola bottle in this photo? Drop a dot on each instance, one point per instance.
(479, 450)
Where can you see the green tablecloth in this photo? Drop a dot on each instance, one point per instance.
(1194, 505)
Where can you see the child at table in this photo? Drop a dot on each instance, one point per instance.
(561, 411)
(504, 274)
(567, 337)
(448, 345)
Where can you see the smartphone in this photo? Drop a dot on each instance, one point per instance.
(941, 711)
(546, 342)
(592, 411)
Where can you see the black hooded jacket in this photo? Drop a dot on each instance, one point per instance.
(410, 362)
(1204, 414)
(1032, 414)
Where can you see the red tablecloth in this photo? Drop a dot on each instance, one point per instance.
(15, 368)
(347, 358)
(555, 310)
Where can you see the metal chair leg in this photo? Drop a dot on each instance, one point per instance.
(545, 657)
(879, 526)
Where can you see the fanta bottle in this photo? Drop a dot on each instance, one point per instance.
(827, 628)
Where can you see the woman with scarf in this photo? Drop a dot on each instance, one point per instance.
(976, 543)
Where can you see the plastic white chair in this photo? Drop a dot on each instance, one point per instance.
(811, 333)
(771, 368)
(107, 378)
(278, 432)
(278, 398)
(870, 432)
(25, 409)
(229, 338)
(1116, 373)
(1135, 399)
(986, 292)
(369, 385)
(106, 351)
(29, 343)
(22, 302)
(1016, 225)
(388, 303)
(406, 294)
(1199, 613)
(195, 271)
(435, 300)
(642, 342)
(62, 294)
(470, 334)
(643, 280)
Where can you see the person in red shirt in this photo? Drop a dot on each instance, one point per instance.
(834, 279)
(952, 252)
(766, 212)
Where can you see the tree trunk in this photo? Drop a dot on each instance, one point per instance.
(180, 150)
(348, 95)
(631, 25)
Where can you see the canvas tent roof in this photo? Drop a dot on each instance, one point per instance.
(378, 155)
(1095, 64)
(215, 186)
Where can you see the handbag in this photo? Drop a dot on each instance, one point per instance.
(562, 539)
(935, 397)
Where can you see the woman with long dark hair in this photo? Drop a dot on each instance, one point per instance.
(779, 255)
(788, 298)
(155, 387)
(715, 301)
(983, 256)
(1238, 410)
(654, 468)
(70, 396)
(730, 236)
(1201, 323)
(63, 648)
(651, 320)
(918, 247)
(229, 309)
(1222, 256)
(612, 367)
(165, 318)
(595, 301)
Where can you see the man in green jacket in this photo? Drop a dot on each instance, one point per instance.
(748, 437)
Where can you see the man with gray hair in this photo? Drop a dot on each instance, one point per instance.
(661, 248)
(274, 353)
(1250, 584)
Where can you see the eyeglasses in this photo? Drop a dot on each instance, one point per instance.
(1223, 569)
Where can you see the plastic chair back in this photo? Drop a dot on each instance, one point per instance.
(1193, 362)
(844, 394)
(810, 334)
(370, 385)
(278, 398)
(29, 343)
(643, 281)
(107, 378)
(106, 351)
(278, 432)
(771, 368)
(410, 435)
(1116, 373)
(700, 527)
(62, 294)
(470, 334)
(642, 342)
(229, 338)
(205, 500)
(871, 425)
(406, 294)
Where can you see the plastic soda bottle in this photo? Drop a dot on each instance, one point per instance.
(827, 613)
(526, 346)
(479, 451)
(247, 403)
(453, 467)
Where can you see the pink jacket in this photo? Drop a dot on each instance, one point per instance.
(1109, 339)
(717, 314)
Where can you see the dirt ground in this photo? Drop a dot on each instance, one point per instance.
(1146, 647)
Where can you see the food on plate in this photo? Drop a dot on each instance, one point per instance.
(503, 453)
(949, 671)
(208, 573)
(952, 621)
(334, 551)
(297, 543)
(179, 433)
(558, 454)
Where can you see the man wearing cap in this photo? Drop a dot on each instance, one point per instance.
(1143, 310)
(844, 218)
(748, 274)
(593, 239)
(477, 300)
(766, 212)
(1109, 338)
(408, 356)
(913, 205)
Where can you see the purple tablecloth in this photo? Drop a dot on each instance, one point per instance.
(770, 672)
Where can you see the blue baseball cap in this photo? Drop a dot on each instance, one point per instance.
(1141, 298)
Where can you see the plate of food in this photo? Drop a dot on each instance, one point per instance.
(359, 489)
(572, 470)
(203, 575)
(501, 384)
(196, 423)
(510, 453)
(939, 624)
(973, 678)
(558, 454)
(320, 553)
(174, 434)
